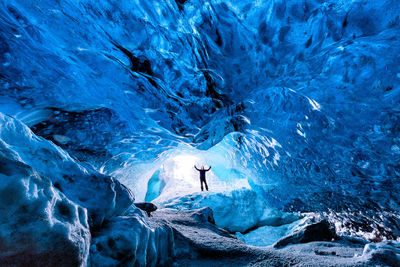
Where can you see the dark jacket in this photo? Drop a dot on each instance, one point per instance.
(203, 172)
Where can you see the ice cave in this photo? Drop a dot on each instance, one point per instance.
(109, 109)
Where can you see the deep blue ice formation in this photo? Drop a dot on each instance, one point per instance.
(297, 100)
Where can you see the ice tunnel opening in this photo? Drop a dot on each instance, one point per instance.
(235, 196)
(175, 175)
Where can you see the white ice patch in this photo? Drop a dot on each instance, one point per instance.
(266, 235)
(315, 105)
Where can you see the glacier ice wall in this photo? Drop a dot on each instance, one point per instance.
(38, 223)
(300, 97)
(57, 211)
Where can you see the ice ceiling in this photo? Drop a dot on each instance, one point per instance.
(298, 100)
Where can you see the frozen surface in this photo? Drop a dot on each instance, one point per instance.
(38, 223)
(307, 94)
(236, 211)
(53, 209)
(265, 235)
(388, 252)
(132, 240)
(101, 195)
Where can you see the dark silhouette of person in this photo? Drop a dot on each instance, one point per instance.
(203, 176)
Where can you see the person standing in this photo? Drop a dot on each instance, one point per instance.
(203, 171)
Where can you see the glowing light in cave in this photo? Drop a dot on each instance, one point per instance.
(181, 178)
(173, 173)
(184, 169)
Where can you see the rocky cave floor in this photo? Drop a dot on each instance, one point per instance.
(198, 242)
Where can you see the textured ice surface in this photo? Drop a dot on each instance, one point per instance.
(301, 96)
(131, 239)
(236, 211)
(101, 195)
(38, 222)
(387, 252)
(53, 209)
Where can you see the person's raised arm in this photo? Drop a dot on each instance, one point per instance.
(196, 168)
(209, 168)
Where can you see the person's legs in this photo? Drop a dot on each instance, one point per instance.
(201, 184)
(205, 182)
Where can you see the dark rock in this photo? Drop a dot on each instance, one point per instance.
(147, 207)
(320, 231)
(324, 253)
(204, 215)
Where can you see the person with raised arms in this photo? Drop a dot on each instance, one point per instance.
(203, 171)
